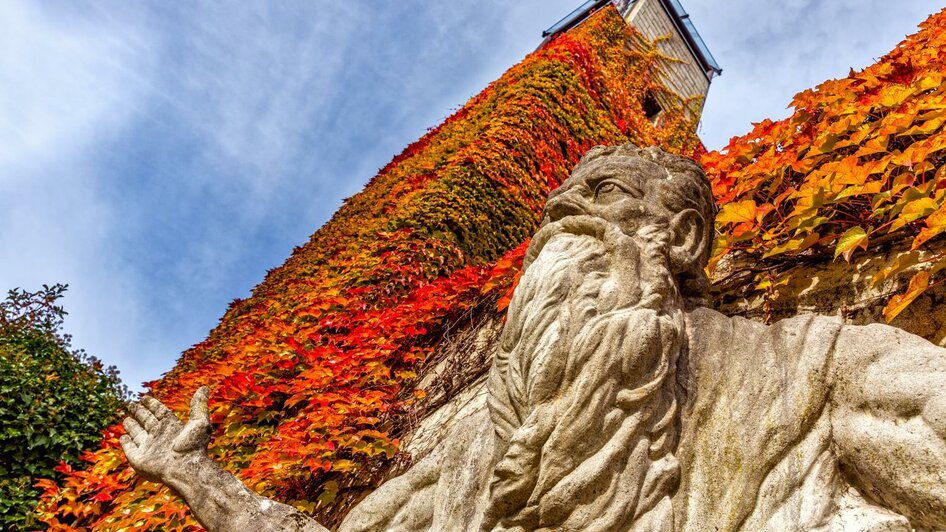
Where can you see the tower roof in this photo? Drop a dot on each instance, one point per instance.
(674, 9)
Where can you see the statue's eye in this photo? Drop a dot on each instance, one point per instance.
(607, 188)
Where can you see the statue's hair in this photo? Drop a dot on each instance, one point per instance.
(690, 189)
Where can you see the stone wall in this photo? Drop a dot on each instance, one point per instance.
(842, 289)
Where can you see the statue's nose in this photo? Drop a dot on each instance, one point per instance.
(562, 206)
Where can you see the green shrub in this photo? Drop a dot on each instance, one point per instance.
(54, 401)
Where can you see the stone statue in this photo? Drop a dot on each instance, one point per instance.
(617, 402)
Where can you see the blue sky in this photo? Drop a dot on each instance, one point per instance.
(159, 157)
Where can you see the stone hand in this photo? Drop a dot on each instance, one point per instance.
(158, 445)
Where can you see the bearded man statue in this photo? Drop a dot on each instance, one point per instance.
(616, 401)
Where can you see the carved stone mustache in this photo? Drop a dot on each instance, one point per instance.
(607, 232)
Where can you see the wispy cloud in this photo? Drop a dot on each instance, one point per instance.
(65, 84)
(67, 87)
(160, 157)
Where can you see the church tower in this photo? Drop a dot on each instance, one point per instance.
(667, 24)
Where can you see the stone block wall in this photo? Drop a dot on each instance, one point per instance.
(684, 77)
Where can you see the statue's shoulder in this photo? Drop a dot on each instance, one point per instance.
(709, 320)
(878, 345)
(809, 337)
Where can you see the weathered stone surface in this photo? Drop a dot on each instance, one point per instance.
(614, 402)
(452, 380)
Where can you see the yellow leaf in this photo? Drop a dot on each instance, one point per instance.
(874, 145)
(928, 80)
(738, 212)
(405, 374)
(341, 465)
(770, 283)
(930, 126)
(806, 224)
(919, 207)
(902, 262)
(721, 247)
(852, 239)
(849, 172)
(809, 199)
(824, 144)
(806, 165)
(918, 284)
(796, 244)
(913, 211)
(894, 95)
(857, 190)
(329, 491)
(880, 166)
(935, 224)
(937, 142)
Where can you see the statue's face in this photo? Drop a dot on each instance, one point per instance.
(614, 197)
(621, 190)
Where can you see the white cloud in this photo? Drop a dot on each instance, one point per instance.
(63, 84)
(65, 87)
(248, 83)
(771, 50)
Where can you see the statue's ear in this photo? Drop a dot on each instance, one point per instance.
(688, 241)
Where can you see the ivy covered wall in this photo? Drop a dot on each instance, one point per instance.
(309, 374)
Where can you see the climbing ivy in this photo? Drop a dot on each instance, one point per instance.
(309, 373)
(859, 162)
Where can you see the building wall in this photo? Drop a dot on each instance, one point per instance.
(686, 78)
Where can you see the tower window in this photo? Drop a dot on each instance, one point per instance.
(652, 108)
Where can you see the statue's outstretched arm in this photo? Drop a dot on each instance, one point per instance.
(888, 419)
(163, 449)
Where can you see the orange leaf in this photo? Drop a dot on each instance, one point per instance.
(918, 284)
(935, 224)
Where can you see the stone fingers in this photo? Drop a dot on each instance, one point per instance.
(138, 434)
(199, 406)
(143, 416)
(157, 408)
(128, 444)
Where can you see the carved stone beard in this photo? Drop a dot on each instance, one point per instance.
(582, 390)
